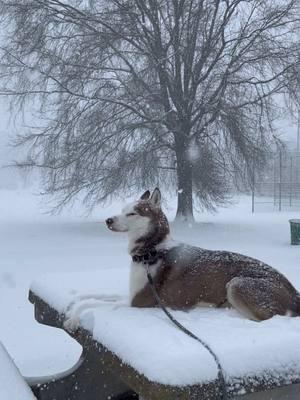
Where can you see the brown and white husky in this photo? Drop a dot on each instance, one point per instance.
(187, 276)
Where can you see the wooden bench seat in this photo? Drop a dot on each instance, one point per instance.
(139, 349)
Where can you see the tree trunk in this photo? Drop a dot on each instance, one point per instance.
(184, 181)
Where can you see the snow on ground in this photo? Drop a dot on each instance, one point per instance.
(33, 243)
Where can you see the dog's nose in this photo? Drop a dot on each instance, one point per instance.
(109, 221)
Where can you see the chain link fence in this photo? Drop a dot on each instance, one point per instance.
(278, 186)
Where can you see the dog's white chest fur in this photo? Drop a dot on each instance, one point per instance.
(138, 277)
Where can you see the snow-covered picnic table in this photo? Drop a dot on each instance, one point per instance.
(156, 359)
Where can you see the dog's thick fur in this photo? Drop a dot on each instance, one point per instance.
(187, 276)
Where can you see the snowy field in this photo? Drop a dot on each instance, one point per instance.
(32, 243)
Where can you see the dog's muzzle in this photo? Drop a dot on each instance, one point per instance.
(114, 224)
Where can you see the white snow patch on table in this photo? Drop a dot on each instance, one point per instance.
(12, 384)
(62, 290)
(146, 340)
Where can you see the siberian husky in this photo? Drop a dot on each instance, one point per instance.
(186, 276)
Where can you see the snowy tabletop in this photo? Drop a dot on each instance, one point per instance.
(12, 384)
(147, 341)
(63, 289)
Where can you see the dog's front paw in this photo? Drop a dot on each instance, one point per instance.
(71, 324)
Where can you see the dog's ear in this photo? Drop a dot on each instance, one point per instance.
(146, 195)
(156, 197)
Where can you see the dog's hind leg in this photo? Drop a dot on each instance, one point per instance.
(260, 299)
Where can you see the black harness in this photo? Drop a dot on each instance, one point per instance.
(148, 258)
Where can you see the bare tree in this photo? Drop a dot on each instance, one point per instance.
(136, 92)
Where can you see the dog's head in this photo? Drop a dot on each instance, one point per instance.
(141, 219)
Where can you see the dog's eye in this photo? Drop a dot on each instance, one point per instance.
(130, 214)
